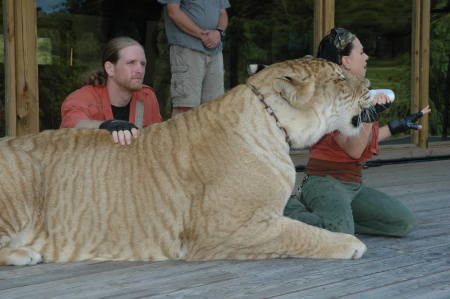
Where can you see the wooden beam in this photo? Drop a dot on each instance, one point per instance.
(323, 20)
(420, 65)
(10, 69)
(21, 71)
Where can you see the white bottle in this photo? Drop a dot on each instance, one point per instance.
(387, 92)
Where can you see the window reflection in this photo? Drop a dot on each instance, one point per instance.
(440, 70)
(71, 36)
(266, 34)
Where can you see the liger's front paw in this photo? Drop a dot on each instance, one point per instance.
(22, 256)
(358, 250)
(348, 247)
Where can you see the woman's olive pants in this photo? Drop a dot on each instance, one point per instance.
(349, 208)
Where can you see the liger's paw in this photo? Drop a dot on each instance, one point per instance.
(20, 256)
(346, 246)
(353, 248)
(358, 250)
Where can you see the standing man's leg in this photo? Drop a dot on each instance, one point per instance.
(213, 86)
(188, 70)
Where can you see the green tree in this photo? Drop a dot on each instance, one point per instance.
(440, 68)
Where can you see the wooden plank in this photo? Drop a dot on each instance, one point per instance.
(145, 284)
(318, 24)
(123, 281)
(434, 284)
(378, 283)
(14, 277)
(21, 90)
(10, 69)
(323, 20)
(419, 191)
(247, 267)
(420, 65)
(387, 174)
(279, 281)
(433, 203)
(396, 151)
(389, 262)
(26, 67)
(419, 240)
(415, 62)
(424, 69)
(399, 151)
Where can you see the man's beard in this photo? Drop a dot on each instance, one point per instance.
(134, 85)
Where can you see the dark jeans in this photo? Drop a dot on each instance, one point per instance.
(349, 208)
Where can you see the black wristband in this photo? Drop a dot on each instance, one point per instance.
(368, 115)
(222, 33)
(381, 107)
(117, 125)
(397, 126)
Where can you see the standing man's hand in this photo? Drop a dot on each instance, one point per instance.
(121, 130)
(211, 39)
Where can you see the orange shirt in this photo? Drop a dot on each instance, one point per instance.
(92, 103)
(327, 149)
(327, 158)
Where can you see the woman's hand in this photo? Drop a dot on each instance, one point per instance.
(408, 122)
(380, 98)
(426, 110)
(380, 102)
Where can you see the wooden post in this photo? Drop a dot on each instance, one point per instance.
(10, 70)
(323, 20)
(420, 65)
(21, 72)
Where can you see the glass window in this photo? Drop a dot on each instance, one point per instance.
(71, 36)
(384, 29)
(440, 70)
(265, 33)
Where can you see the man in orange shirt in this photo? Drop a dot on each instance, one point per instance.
(115, 99)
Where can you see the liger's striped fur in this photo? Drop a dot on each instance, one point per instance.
(210, 183)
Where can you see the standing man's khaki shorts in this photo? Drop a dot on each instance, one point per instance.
(196, 77)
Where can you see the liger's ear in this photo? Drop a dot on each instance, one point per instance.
(297, 93)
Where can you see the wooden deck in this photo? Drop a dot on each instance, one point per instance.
(417, 266)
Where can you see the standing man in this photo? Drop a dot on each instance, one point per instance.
(115, 99)
(195, 30)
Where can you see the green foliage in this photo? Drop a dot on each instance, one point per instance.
(266, 32)
(368, 18)
(393, 74)
(55, 84)
(259, 32)
(160, 72)
(439, 77)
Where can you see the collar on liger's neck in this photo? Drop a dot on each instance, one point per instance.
(271, 112)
